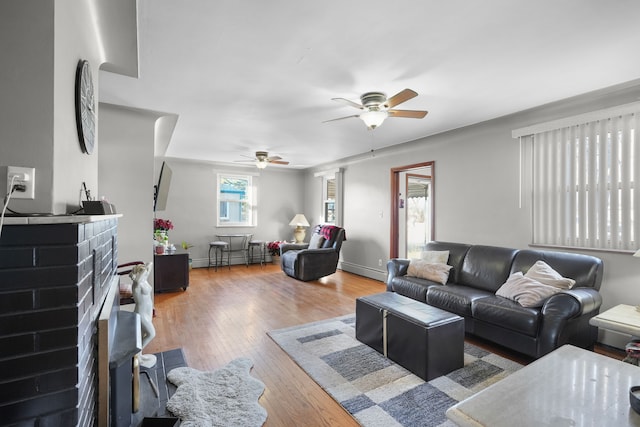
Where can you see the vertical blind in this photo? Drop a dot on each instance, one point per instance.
(585, 177)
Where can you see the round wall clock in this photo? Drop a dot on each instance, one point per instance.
(85, 107)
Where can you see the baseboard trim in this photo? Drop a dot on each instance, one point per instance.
(365, 271)
(204, 262)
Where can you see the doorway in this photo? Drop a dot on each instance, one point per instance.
(412, 209)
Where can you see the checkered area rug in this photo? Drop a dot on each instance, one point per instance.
(376, 391)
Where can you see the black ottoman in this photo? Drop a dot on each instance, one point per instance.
(425, 340)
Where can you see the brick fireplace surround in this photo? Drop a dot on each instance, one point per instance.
(54, 275)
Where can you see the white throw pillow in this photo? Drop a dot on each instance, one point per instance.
(435, 257)
(316, 241)
(526, 291)
(436, 272)
(543, 273)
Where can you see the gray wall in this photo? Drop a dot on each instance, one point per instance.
(126, 176)
(37, 118)
(476, 193)
(41, 45)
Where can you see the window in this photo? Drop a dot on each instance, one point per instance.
(331, 193)
(330, 200)
(585, 177)
(235, 200)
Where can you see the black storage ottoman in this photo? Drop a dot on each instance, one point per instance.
(425, 340)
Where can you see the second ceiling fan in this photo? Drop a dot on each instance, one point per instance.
(262, 159)
(377, 107)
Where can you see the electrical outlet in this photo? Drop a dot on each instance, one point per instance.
(379, 263)
(25, 178)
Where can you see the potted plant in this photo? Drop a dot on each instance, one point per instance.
(160, 237)
(161, 227)
(274, 250)
(186, 246)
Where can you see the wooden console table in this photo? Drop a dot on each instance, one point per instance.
(171, 271)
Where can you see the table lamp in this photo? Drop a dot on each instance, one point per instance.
(299, 222)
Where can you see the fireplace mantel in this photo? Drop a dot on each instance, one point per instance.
(54, 277)
(35, 219)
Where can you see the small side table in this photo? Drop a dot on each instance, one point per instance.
(623, 318)
(171, 271)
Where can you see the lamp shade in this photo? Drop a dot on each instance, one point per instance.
(373, 118)
(299, 221)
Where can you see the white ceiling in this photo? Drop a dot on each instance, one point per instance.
(259, 75)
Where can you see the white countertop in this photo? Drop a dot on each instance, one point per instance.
(57, 219)
(567, 387)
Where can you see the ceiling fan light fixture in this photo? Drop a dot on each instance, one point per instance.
(373, 118)
(261, 164)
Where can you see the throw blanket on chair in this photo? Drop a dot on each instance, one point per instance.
(329, 232)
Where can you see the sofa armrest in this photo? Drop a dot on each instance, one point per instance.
(284, 247)
(396, 267)
(575, 306)
(589, 299)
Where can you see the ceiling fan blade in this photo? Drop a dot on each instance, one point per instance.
(347, 101)
(278, 162)
(341, 118)
(411, 114)
(400, 97)
(272, 158)
(245, 161)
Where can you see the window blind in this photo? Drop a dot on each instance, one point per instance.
(585, 191)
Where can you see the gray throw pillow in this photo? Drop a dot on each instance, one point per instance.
(316, 241)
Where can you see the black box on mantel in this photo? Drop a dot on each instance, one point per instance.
(98, 208)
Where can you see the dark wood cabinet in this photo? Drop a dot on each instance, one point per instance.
(171, 271)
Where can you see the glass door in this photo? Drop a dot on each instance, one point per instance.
(418, 214)
(412, 209)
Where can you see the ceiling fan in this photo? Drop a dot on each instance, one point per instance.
(262, 159)
(377, 107)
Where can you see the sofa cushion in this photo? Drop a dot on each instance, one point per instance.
(486, 267)
(435, 257)
(526, 291)
(586, 270)
(435, 272)
(507, 314)
(455, 298)
(543, 273)
(457, 252)
(412, 287)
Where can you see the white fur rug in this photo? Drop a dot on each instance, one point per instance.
(225, 397)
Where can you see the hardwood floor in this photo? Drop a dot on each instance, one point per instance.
(226, 314)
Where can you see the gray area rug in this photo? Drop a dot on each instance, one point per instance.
(225, 397)
(376, 391)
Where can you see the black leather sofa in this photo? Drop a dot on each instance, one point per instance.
(478, 272)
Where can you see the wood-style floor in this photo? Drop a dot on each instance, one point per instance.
(226, 314)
